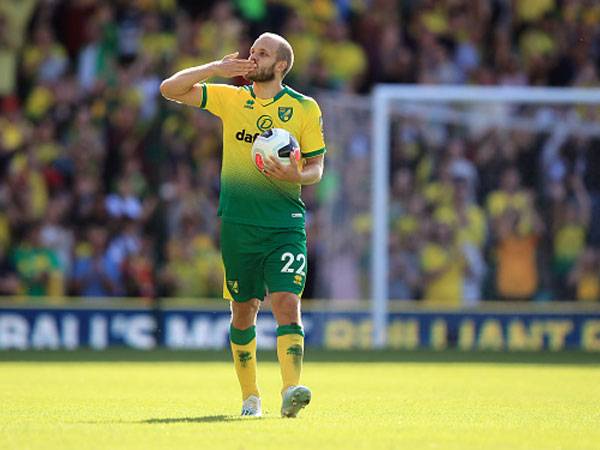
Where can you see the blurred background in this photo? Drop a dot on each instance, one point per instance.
(483, 320)
(108, 190)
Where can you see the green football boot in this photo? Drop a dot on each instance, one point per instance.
(294, 399)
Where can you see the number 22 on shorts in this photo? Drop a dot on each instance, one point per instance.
(288, 258)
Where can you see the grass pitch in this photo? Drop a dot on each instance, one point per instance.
(138, 400)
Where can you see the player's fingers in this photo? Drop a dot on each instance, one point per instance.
(239, 63)
(295, 156)
(245, 64)
(270, 169)
(272, 161)
(272, 172)
(240, 69)
(230, 56)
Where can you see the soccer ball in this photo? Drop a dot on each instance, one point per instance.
(275, 142)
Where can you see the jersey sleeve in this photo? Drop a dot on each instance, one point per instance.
(216, 97)
(312, 142)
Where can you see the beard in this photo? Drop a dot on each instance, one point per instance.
(262, 75)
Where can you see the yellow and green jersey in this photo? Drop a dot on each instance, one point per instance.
(247, 195)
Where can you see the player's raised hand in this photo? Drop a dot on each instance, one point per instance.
(232, 66)
(285, 172)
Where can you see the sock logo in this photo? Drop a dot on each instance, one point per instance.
(295, 351)
(244, 357)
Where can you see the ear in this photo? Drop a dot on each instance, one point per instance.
(281, 66)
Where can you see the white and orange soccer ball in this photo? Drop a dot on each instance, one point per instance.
(275, 142)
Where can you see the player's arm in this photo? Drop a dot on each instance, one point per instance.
(184, 86)
(312, 172)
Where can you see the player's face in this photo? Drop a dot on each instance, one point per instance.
(263, 52)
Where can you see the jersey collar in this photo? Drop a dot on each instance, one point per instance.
(268, 101)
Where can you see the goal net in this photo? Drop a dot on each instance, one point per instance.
(423, 178)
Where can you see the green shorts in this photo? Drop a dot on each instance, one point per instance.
(260, 260)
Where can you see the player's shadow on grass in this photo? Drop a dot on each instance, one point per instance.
(167, 420)
(203, 419)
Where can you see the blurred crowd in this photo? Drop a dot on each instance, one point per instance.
(108, 190)
(494, 215)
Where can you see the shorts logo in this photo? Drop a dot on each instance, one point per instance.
(298, 280)
(233, 286)
(285, 113)
(264, 122)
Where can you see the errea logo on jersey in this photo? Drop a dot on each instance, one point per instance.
(246, 137)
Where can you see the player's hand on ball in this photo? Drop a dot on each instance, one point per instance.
(231, 66)
(289, 172)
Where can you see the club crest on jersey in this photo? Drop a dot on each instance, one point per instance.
(285, 113)
(249, 104)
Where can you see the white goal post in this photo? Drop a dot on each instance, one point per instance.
(385, 99)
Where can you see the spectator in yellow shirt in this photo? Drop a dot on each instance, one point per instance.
(532, 10)
(585, 276)
(443, 266)
(345, 60)
(508, 195)
(570, 223)
(38, 267)
(516, 251)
